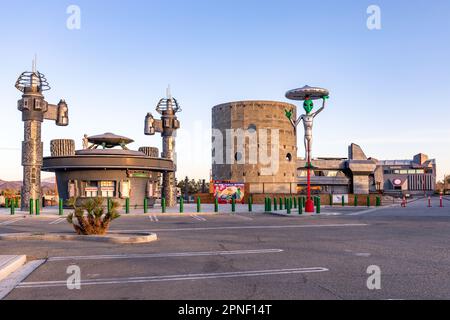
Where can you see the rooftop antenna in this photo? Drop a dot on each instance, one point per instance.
(34, 63)
(168, 93)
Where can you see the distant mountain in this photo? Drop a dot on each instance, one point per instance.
(47, 185)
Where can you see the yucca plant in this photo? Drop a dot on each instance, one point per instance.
(89, 217)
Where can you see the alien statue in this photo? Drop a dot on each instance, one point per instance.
(308, 120)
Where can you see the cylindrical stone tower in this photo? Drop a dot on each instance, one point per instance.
(254, 143)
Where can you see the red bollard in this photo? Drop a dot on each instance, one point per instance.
(442, 203)
(429, 202)
(404, 202)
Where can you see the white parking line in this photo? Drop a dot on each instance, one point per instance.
(370, 210)
(58, 221)
(178, 277)
(166, 255)
(11, 221)
(199, 218)
(250, 227)
(153, 218)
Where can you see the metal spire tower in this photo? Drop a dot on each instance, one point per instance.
(167, 126)
(34, 111)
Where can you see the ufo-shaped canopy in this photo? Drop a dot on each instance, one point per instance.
(313, 93)
(110, 140)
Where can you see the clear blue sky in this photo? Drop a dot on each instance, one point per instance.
(389, 88)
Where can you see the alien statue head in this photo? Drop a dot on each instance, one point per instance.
(308, 105)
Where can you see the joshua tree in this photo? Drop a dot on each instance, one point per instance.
(90, 218)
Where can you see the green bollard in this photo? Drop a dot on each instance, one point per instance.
(145, 205)
(38, 207)
(300, 209)
(318, 206)
(127, 205)
(288, 206)
(13, 209)
(250, 204)
(61, 207)
(233, 205)
(163, 205)
(378, 203)
(356, 201)
(269, 204)
(216, 205)
(199, 203)
(368, 201)
(181, 205)
(343, 201)
(31, 207)
(295, 202)
(275, 208)
(281, 204)
(108, 205)
(331, 200)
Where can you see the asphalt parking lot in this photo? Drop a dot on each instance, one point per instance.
(247, 256)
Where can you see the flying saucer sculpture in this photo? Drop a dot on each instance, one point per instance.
(308, 95)
(307, 92)
(109, 140)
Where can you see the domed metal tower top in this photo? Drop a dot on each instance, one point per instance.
(167, 104)
(33, 81)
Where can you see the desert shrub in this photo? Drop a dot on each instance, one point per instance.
(90, 217)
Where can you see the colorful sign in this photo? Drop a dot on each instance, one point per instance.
(225, 192)
(337, 198)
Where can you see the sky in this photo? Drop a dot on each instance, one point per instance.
(389, 88)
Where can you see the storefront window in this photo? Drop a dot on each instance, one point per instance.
(107, 189)
(91, 189)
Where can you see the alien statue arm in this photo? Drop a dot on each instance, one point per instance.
(298, 121)
(324, 99)
(289, 116)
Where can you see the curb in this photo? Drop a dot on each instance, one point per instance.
(134, 238)
(134, 215)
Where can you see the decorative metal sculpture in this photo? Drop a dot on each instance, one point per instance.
(167, 126)
(34, 111)
(307, 94)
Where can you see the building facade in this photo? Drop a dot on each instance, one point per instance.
(106, 172)
(416, 176)
(255, 144)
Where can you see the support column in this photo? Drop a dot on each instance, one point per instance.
(32, 163)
